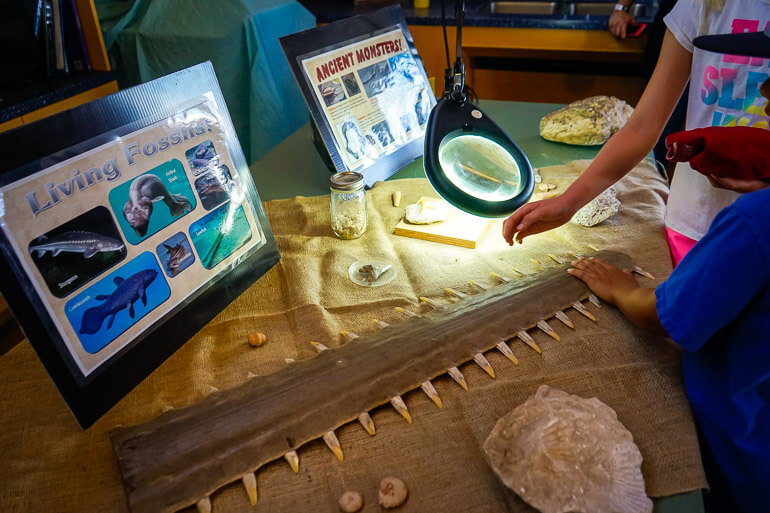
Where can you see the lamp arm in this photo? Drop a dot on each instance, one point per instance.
(457, 92)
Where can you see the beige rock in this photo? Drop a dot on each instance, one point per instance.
(350, 502)
(599, 209)
(392, 492)
(426, 211)
(561, 453)
(586, 122)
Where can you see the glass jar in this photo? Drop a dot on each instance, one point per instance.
(348, 204)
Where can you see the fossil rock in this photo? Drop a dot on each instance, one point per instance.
(562, 453)
(601, 208)
(426, 211)
(586, 122)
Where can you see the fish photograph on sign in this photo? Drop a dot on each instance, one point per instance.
(175, 254)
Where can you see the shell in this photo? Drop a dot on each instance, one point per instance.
(562, 453)
(601, 208)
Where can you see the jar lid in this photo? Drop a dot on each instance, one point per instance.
(347, 181)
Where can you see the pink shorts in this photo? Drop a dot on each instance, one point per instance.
(679, 245)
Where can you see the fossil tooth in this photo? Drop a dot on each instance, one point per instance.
(366, 421)
(318, 346)
(212, 390)
(577, 305)
(166, 407)
(456, 375)
(334, 444)
(527, 339)
(431, 302)
(563, 318)
(595, 300)
(644, 273)
(593, 248)
(522, 273)
(548, 330)
(406, 312)
(348, 335)
(292, 459)
(482, 361)
(380, 324)
(500, 277)
(539, 266)
(204, 505)
(251, 375)
(506, 350)
(249, 481)
(478, 285)
(456, 293)
(401, 408)
(396, 198)
(556, 259)
(430, 390)
(287, 361)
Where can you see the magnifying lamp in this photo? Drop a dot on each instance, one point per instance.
(468, 159)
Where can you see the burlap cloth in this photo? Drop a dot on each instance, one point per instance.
(47, 463)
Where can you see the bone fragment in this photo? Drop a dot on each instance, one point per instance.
(348, 335)
(366, 421)
(506, 350)
(500, 277)
(167, 407)
(563, 318)
(527, 339)
(396, 198)
(644, 273)
(548, 330)
(431, 302)
(456, 375)
(204, 505)
(380, 324)
(478, 285)
(249, 481)
(406, 312)
(318, 346)
(401, 408)
(521, 273)
(482, 362)
(595, 300)
(430, 391)
(455, 293)
(293, 460)
(577, 305)
(334, 444)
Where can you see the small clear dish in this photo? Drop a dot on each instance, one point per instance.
(371, 273)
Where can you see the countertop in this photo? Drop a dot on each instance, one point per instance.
(477, 14)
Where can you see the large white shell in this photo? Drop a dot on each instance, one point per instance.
(562, 453)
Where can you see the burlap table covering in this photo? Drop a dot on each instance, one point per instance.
(50, 464)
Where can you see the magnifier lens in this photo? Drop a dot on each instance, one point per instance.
(480, 167)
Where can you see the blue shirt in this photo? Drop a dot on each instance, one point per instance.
(716, 305)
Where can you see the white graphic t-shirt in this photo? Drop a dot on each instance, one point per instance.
(724, 91)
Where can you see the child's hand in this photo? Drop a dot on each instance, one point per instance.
(604, 279)
(537, 217)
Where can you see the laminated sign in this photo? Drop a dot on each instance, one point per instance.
(366, 89)
(126, 225)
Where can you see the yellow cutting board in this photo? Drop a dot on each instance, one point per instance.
(459, 229)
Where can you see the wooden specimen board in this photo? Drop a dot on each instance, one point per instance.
(459, 229)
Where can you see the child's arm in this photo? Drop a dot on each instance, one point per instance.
(620, 289)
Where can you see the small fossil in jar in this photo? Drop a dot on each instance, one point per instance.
(350, 502)
(392, 492)
(349, 225)
(372, 273)
(257, 339)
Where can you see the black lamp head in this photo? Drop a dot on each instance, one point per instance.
(472, 163)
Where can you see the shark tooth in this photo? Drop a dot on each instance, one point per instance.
(400, 406)
(456, 375)
(249, 481)
(380, 324)
(318, 346)
(212, 390)
(348, 336)
(430, 391)
(563, 318)
(366, 421)
(406, 312)
(556, 259)
(478, 285)
(456, 293)
(521, 273)
(204, 505)
(292, 459)
(506, 350)
(433, 303)
(334, 444)
(287, 361)
(500, 277)
(166, 407)
(577, 305)
(543, 325)
(595, 300)
(527, 339)
(482, 362)
(644, 273)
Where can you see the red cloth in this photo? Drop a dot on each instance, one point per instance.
(736, 152)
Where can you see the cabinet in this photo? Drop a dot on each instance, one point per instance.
(57, 94)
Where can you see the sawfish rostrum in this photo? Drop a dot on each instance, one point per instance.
(128, 291)
(144, 191)
(76, 241)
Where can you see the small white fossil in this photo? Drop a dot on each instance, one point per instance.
(350, 502)
(426, 211)
(396, 198)
(392, 492)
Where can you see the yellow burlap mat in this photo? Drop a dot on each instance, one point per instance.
(50, 464)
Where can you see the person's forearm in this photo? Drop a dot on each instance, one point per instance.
(639, 307)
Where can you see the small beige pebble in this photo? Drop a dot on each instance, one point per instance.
(396, 198)
(545, 187)
(392, 492)
(257, 339)
(350, 502)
